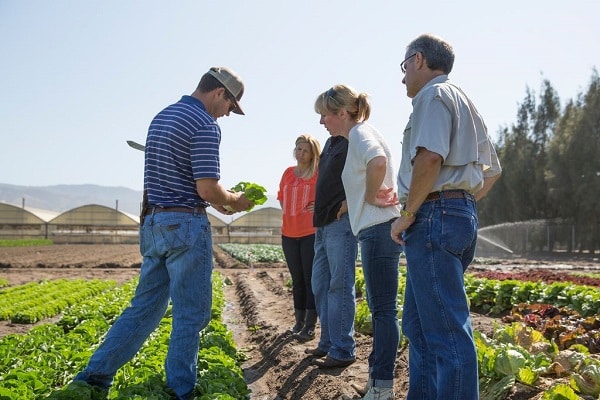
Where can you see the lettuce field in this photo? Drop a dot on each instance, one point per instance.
(41, 363)
(543, 341)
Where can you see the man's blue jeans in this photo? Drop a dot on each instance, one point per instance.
(177, 265)
(380, 257)
(332, 282)
(439, 246)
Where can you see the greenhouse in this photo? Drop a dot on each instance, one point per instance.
(259, 226)
(23, 223)
(98, 224)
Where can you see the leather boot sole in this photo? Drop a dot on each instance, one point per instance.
(329, 362)
(316, 352)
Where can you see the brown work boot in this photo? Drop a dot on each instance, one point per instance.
(330, 362)
(316, 352)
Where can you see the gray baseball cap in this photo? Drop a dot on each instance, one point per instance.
(232, 82)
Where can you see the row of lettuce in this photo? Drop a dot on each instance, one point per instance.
(516, 352)
(42, 363)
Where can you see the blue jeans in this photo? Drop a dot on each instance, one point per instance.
(333, 278)
(380, 257)
(439, 246)
(177, 265)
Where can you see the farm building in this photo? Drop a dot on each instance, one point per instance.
(94, 224)
(259, 226)
(99, 224)
(23, 223)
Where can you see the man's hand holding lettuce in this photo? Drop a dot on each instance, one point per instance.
(253, 192)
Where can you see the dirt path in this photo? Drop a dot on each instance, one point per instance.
(278, 368)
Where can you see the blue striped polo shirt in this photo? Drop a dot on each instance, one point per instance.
(182, 146)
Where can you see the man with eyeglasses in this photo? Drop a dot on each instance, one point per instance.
(181, 179)
(448, 163)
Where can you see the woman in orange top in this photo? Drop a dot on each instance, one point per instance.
(297, 197)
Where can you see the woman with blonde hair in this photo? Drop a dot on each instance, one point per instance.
(296, 196)
(369, 182)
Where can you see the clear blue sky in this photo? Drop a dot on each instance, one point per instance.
(79, 78)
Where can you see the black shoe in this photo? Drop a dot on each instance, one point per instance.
(316, 352)
(329, 362)
(296, 329)
(305, 335)
(300, 316)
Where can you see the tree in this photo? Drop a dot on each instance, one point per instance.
(551, 165)
(586, 151)
(516, 155)
(544, 121)
(561, 174)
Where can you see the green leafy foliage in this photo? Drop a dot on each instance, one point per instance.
(51, 353)
(495, 389)
(498, 296)
(254, 192)
(363, 321)
(35, 301)
(25, 242)
(517, 352)
(560, 391)
(359, 283)
(587, 380)
(509, 361)
(248, 253)
(32, 366)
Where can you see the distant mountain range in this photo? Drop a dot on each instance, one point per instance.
(60, 198)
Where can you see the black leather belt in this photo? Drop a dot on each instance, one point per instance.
(449, 194)
(155, 210)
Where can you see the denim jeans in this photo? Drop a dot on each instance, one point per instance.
(299, 254)
(333, 277)
(380, 257)
(177, 265)
(439, 246)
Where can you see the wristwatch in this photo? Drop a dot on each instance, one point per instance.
(404, 213)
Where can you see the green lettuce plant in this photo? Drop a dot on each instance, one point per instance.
(254, 192)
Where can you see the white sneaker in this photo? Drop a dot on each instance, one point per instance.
(362, 390)
(379, 393)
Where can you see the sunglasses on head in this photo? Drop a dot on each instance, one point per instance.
(330, 94)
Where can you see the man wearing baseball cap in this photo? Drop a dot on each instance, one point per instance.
(232, 83)
(181, 179)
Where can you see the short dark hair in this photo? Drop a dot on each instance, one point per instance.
(208, 83)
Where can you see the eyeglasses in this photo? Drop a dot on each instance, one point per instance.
(403, 63)
(232, 101)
